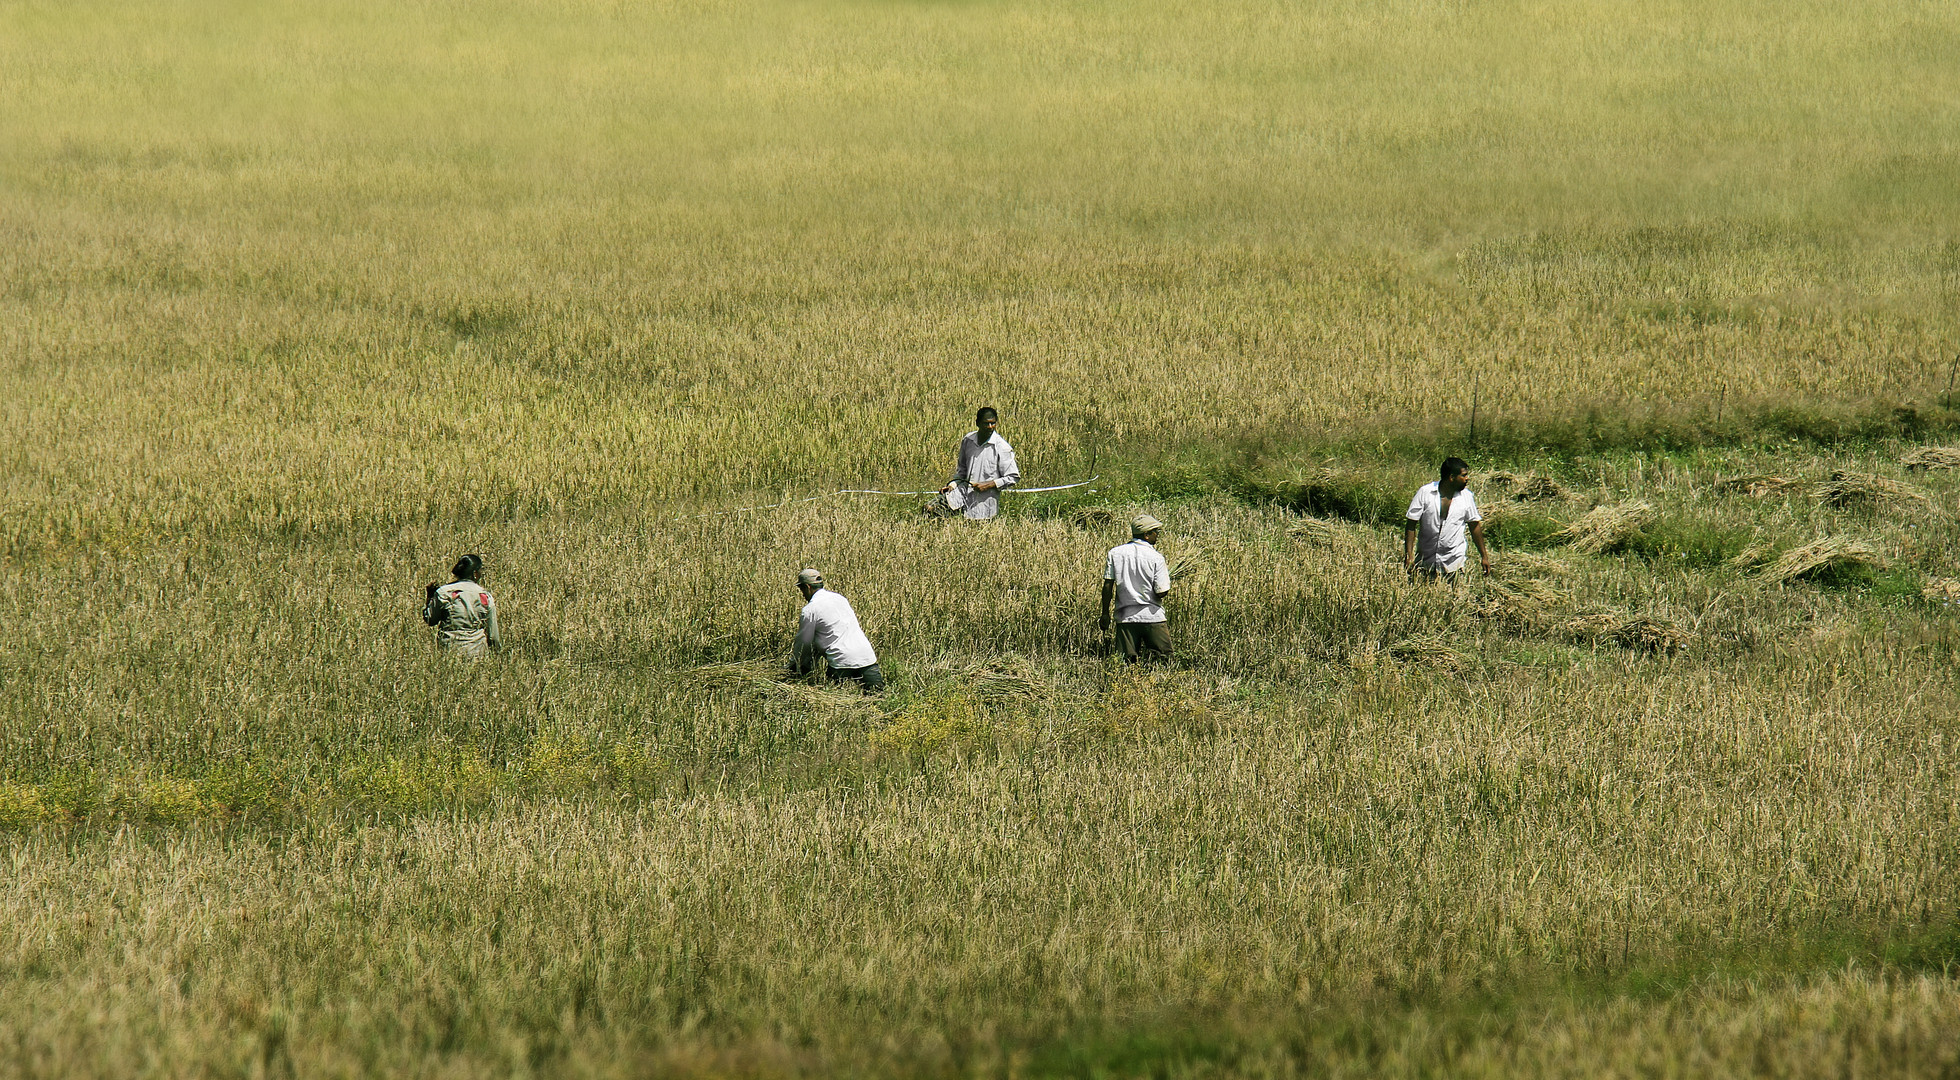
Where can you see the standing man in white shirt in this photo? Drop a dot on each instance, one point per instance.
(985, 467)
(1137, 579)
(829, 627)
(463, 612)
(1443, 517)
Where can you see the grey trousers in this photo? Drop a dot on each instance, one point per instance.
(870, 676)
(1143, 641)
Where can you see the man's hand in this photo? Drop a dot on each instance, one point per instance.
(946, 489)
(1103, 622)
(986, 485)
(1486, 562)
(430, 590)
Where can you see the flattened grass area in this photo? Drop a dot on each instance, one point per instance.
(298, 303)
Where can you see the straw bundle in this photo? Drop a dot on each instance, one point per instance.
(1605, 527)
(1426, 649)
(1517, 605)
(1187, 563)
(773, 682)
(1814, 558)
(1932, 457)
(1645, 634)
(1311, 530)
(1756, 554)
(1858, 489)
(1524, 487)
(1537, 489)
(1641, 633)
(1756, 485)
(1941, 590)
(737, 674)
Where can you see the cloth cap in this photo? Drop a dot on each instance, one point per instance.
(810, 577)
(1143, 524)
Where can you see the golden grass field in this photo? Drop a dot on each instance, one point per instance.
(300, 301)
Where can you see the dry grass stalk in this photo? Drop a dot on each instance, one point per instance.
(1606, 526)
(1756, 485)
(1932, 457)
(1846, 488)
(1815, 558)
(1093, 517)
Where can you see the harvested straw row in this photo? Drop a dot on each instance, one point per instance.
(1525, 488)
(1756, 485)
(1642, 633)
(1606, 526)
(1859, 489)
(1815, 558)
(1932, 457)
(1942, 590)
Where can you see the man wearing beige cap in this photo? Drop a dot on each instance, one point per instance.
(829, 626)
(1137, 578)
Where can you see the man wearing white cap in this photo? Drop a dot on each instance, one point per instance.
(1137, 578)
(829, 626)
(463, 612)
(985, 467)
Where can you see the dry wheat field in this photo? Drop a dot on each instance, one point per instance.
(299, 301)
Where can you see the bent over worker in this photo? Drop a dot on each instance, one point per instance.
(1434, 541)
(985, 468)
(463, 612)
(829, 627)
(1137, 579)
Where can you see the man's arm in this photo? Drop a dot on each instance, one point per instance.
(1109, 593)
(803, 653)
(492, 633)
(1409, 530)
(959, 467)
(1477, 534)
(1010, 469)
(432, 610)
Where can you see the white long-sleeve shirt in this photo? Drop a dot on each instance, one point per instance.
(465, 617)
(992, 460)
(830, 627)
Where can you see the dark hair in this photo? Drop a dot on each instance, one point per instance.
(467, 567)
(1454, 465)
(985, 412)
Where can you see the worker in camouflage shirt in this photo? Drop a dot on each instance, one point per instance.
(463, 612)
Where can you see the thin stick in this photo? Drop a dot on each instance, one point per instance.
(1950, 370)
(1476, 389)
